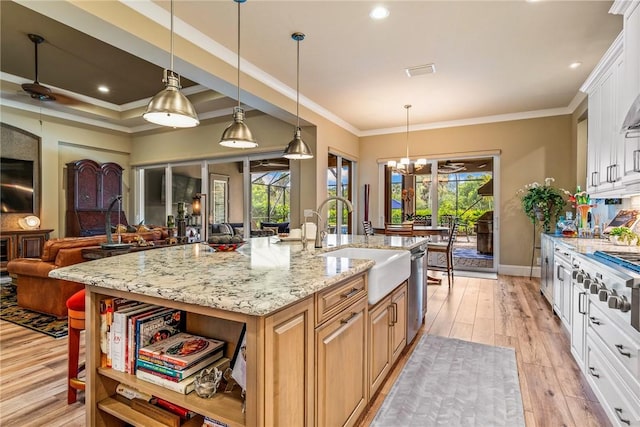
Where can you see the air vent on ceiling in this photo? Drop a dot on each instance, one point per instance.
(420, 70)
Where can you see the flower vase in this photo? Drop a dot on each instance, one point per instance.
(583, 213)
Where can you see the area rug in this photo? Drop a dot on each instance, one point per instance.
(39, 322)
(470, 253)
(449, 382)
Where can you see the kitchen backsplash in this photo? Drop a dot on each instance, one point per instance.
(606, 212)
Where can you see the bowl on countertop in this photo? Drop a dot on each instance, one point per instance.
(225, 247)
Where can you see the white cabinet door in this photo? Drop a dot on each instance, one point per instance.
(631, 88)
(562, 291)
(578, 323)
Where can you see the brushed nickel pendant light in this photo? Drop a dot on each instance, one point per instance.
(297, 149)
(238, 134)
(170, 107)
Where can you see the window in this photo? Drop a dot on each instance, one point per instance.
(270, 196)
(341, 171)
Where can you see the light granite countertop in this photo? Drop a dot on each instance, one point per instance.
(588, 246)
(258, 279)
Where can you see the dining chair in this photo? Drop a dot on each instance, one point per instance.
(447, 249)
(398, 229)
(368, 228)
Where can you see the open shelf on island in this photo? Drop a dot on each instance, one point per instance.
(225, 407)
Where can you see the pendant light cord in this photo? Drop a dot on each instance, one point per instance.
(298, 85)
(407, 138)
(171, 35)
(238, 54)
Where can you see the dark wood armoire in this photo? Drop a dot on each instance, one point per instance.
(91, 187)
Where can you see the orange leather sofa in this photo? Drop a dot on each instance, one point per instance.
(38, 292)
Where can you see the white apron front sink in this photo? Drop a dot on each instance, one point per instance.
(392, 267)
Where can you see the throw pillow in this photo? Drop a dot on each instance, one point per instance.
(239, 231)
(272, 230)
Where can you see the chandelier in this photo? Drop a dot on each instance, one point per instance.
(406, 166)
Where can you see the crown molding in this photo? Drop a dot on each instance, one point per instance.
(605, 63)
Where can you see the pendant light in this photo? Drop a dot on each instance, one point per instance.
(406, 166)
(170, 107)
(297, 148)
(237, 134)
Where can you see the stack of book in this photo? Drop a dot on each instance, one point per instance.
(128, 325)
(175, 361)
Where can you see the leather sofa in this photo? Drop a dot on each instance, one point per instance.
(38, 292)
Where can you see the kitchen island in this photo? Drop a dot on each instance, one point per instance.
(303, 313)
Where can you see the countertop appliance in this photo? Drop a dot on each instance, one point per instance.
(416, 294)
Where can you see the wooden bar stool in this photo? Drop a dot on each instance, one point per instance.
(75, 309)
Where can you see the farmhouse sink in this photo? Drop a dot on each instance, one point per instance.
(392, 267)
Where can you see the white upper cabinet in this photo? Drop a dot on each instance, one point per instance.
(605, 149)
(631, 86)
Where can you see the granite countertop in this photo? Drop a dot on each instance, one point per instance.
(259, 278)
(587, 246)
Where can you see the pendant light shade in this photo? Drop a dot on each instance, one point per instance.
(237, 134)
(170, 107)
(297, 149)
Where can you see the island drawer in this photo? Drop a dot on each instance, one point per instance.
(332, 300)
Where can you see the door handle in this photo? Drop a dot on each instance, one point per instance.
(395, 313)
(619, 415)
(595, 321)
(620, 349)
(581, 303)
(349, 294)
(348, 319)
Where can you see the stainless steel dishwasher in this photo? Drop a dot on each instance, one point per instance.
(416, 289)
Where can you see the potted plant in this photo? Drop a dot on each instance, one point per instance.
(542, 203)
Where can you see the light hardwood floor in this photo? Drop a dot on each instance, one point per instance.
(508, 312)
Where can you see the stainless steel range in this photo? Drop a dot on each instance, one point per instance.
(615, 278)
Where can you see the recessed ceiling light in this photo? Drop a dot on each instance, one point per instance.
(103, 89)
(379, 12)
(575, 65)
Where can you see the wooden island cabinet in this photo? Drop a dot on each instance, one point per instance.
(293, 361)
(314, 357)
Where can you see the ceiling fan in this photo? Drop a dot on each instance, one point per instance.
(35, 89)
(451, 167)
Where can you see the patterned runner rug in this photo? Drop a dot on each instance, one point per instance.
(43, 323)
(449, 382)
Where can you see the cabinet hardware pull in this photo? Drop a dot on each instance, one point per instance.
(390, 315)
(581, 304)
(620, 348)
(558, 273)
(636, 164)
(395, 313)
(593, 181)
(351, 293)
(593, 372)
(619, 415)
(594, 320)
(348, 319)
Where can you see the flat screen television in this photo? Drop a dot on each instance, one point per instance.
(16, 185)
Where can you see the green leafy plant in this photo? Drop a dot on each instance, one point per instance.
(542, 203)
(624, 235)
